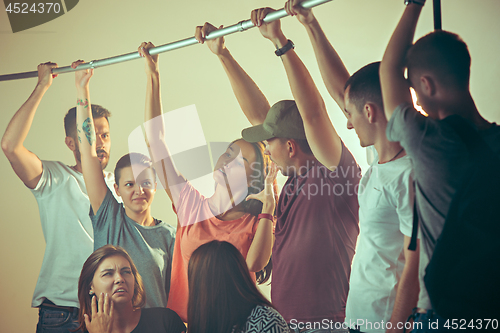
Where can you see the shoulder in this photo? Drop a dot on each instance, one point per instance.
(156, 318)
(265, 319)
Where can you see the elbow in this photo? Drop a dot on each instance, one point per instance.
(256, 265)
(8, 147)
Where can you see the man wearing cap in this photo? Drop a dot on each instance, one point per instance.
(317, 212)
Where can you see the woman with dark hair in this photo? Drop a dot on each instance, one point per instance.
(149, 241)
(222, 296)
(112, 295)
(239, 211)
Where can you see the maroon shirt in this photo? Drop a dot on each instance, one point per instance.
(316, 232)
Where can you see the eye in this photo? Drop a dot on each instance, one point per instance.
(127, 272)
(105, 136)
(129, 184)
(146, 184)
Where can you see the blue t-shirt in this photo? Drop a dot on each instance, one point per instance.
(151, 248)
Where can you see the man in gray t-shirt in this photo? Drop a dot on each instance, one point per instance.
(438, 70)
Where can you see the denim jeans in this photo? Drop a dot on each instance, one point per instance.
(429, 322)
(52, 320)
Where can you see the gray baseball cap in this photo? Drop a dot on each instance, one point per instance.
(282, 121)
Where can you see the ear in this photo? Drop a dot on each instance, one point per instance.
(116, 190)
(370, 112)
(292, 148)
(70, 142)
(428, 85)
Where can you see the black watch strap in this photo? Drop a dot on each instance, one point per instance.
(287, 47)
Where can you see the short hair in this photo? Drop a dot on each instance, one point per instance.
(302, 143)
(221, 292)
(87, 275)
(365, 86)
(130, 159)
(445, 55)
(70, 118)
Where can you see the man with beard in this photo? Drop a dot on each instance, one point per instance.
(63, 205)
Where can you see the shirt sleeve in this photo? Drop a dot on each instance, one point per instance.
(48, 181)
(407, 126)
(106, 214)
(404, 196)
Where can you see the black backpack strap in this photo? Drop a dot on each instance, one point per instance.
(414, 229)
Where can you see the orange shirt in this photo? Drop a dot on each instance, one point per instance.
(195, 231)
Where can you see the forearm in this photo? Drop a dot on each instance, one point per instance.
(331, 67)
(408, 288)
(260, 250)
(250, 98)
(20, 124)
(394, 85)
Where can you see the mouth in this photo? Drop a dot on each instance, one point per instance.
(101, 154)
(120, 291)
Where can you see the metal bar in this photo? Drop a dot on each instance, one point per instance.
(437, 14)
(240, 26)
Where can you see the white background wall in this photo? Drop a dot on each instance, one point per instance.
(359, 29)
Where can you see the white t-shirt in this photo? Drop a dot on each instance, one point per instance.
(385, 217)
(64, 213)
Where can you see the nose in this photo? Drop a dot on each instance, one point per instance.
(349, 125)
(98, 141)
(119, 278)
(139, 189)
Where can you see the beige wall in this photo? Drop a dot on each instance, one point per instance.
(359, 29)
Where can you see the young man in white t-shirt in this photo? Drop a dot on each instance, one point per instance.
(383, 286)
(63, 204)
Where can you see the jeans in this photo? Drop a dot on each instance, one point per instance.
(53, 320)
(428, 322)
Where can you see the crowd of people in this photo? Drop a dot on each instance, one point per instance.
(345, 252)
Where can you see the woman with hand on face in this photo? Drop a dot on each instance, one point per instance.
(111, 296)
(222, 296)
(149, 241)
(239, 211)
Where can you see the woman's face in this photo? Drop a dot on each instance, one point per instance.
(236, 165)
(114, 277)
(137, 193)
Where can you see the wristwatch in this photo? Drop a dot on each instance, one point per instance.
(287, 47)
(417, 2)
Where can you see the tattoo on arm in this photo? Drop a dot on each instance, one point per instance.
(84, 103)
(88, 129)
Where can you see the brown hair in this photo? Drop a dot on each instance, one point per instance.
(444, 54)
(221, 291)
(132, 158)
(70, 118)
(87, 275)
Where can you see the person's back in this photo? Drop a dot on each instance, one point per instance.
(439, 71)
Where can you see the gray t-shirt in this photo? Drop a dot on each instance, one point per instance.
(151, 248)
(440, 161)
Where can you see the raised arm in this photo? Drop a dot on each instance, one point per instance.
(252, 101)
(260, 250)
(26, 164)
(321, 135)
(155, 129)
(331, 67)
(395, 88)
(91, 167)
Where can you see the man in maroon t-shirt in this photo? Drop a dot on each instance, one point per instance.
(317, 213)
